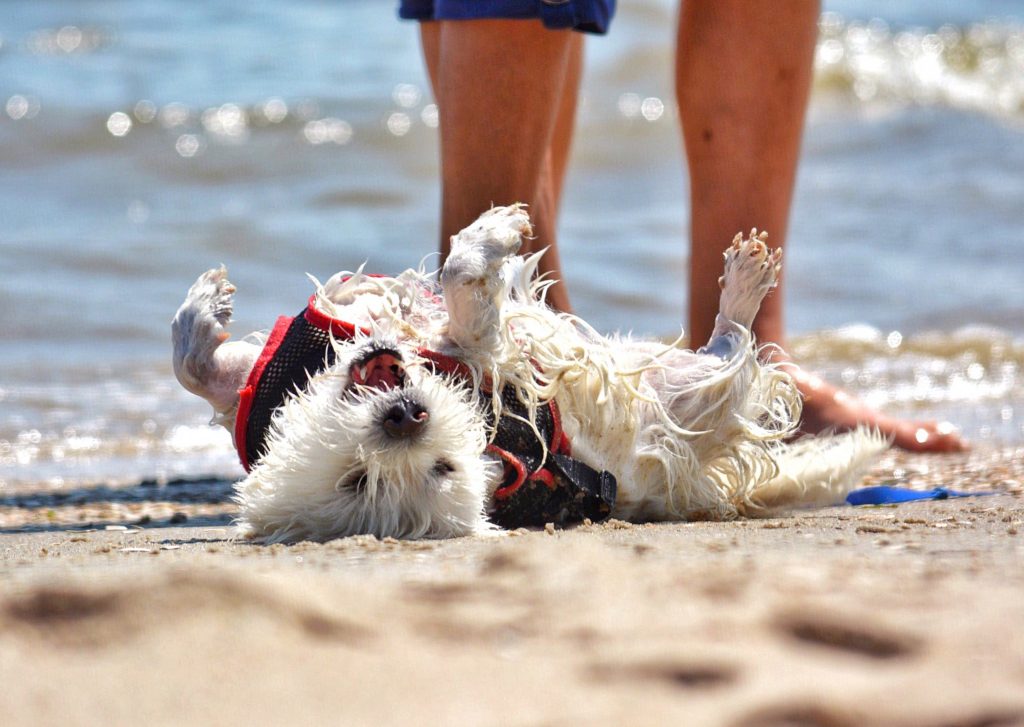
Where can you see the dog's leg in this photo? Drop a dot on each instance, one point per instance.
(202, 364)
(472, 280)
(707, 390)
(729, 404)
(751, 270)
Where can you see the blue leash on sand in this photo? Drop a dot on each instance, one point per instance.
(888, 495)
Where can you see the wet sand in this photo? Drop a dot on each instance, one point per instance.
(908, 615)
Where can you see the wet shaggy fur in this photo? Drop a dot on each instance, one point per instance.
(687, 434)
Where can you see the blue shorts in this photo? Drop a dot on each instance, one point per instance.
(589, 16)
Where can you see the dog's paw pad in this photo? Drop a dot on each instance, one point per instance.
(750, 262)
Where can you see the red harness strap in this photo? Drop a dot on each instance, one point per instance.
(247, 392)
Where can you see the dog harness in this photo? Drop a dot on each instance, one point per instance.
(536, 488)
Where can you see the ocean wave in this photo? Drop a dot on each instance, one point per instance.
(977, 68)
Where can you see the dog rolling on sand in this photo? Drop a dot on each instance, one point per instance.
(409, 408)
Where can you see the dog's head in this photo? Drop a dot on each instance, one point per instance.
(377, 444)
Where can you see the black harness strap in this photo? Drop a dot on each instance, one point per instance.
(542, 482)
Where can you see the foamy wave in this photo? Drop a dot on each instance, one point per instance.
(33, 457)
(973, 377)
(861, 341)
(977, 68)
(67, 426)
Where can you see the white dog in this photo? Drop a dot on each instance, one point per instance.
(397, 407)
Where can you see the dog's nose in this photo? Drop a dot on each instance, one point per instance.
(405, 418)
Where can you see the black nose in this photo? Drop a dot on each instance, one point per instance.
(405, 418)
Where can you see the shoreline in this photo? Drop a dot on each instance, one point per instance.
(207, 501)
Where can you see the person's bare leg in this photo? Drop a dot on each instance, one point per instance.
(743, 74)
(742, 82)
(565, 121)
(499, 86)
(430, 44)
(553, 177)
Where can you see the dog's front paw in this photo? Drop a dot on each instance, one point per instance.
(503, 229)
(212, 298)
(482, 248)
(751, 270)
(472, 275)
(199, 328)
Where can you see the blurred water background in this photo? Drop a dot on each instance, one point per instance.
(141, 143)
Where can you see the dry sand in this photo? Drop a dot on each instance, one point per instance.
(908, 615)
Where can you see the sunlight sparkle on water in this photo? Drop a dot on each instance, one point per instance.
(188, 145)
(327, 131)
(66, 40)
(145, 111)
(406, 95)
(174, 114)
(21, 107)
(830, 51)
(119, 123)
(978, 68)
(629, 105)
(399, 123)
(228, 121)
(429, 116)
(17, 106)
(275, 110)
(652, 108)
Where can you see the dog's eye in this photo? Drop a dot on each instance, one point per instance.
(442, 468)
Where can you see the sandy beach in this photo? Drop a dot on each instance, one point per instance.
(906, 615)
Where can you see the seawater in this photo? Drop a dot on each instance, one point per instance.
(143, 143)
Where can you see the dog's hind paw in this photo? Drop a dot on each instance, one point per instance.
(751, 270)
(749, 262)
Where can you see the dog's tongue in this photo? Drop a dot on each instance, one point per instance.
(383, 371)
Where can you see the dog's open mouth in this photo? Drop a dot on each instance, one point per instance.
(380, 368)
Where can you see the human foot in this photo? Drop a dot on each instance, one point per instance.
(828, 407)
